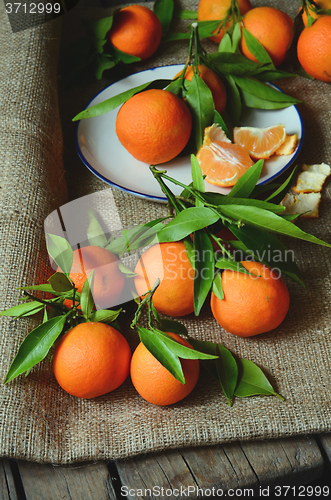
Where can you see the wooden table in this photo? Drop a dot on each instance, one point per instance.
(248, 467)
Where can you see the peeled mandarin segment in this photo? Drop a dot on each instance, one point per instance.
(260, 142)
(288, 146)
(223, 163)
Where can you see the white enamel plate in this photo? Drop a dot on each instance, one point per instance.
(99, 148)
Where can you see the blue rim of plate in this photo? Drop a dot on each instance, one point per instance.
(159, 198)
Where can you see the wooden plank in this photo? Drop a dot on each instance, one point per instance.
(153, 476)
(192, 472)
(220, 467)
(7, 483)
(325, 442)
(291, 462)
(87, 481)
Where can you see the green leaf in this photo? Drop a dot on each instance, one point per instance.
(252, 381)
(233, 103)
(227, 370)
(200, 102)
(236, 37)
(86, 296)
(204, 269)
(256, 48)
(281, 191)
(268, 221)
(60, 251)
(208, 348)
(267, 248)
(24, 309)
(175, 87)
(60, 283)
(197, 178)
(225, 44)
(228, 63)
(101, 27)
(219, 200)
(263, 91)
(253, 101)
(95, 233)
(164, 10)
(161, 352)
(124, 57)
(103, 63)
(225, 263)
(104, 315)
(190, 220)
(136, 237)
(247, 182)
(126, 270)
(171, 37)
(219, 120)
(113, 102)
(186, 14)
(181, 350)
(217, 287)
(274, 74)
(207, 28)
(169, 325)
(35, 346)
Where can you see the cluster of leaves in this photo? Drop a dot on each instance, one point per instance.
(236, 376)
(57, 317)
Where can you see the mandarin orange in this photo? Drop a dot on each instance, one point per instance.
(169, 263)
(252, 304)
(154, 126)
(273, 28)
(91, 359)
(155, 383)
(136, 30)
(314, 49)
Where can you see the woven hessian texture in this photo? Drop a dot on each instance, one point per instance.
(38, 420)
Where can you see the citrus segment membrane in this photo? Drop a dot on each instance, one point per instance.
(222, 162)
(260, 142)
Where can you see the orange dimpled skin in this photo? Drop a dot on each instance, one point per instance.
(90, 360)
(272, 28)
(169, 263)
(155, 383)
(252, 304)
(136, 30)
(314, 49)
(154, 126)
(213, 10)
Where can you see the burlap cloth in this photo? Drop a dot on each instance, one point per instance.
(39, 421)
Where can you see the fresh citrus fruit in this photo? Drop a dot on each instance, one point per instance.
(169, 263)
(314, 49)
(108, 282)
(213, 81)
(154, 126)
(213, 10)
(273, 29)
(155, 383)
(91, 359)
(323, 4)
(252, 304)
(222, 162)
(136, 30)
(260, 142)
